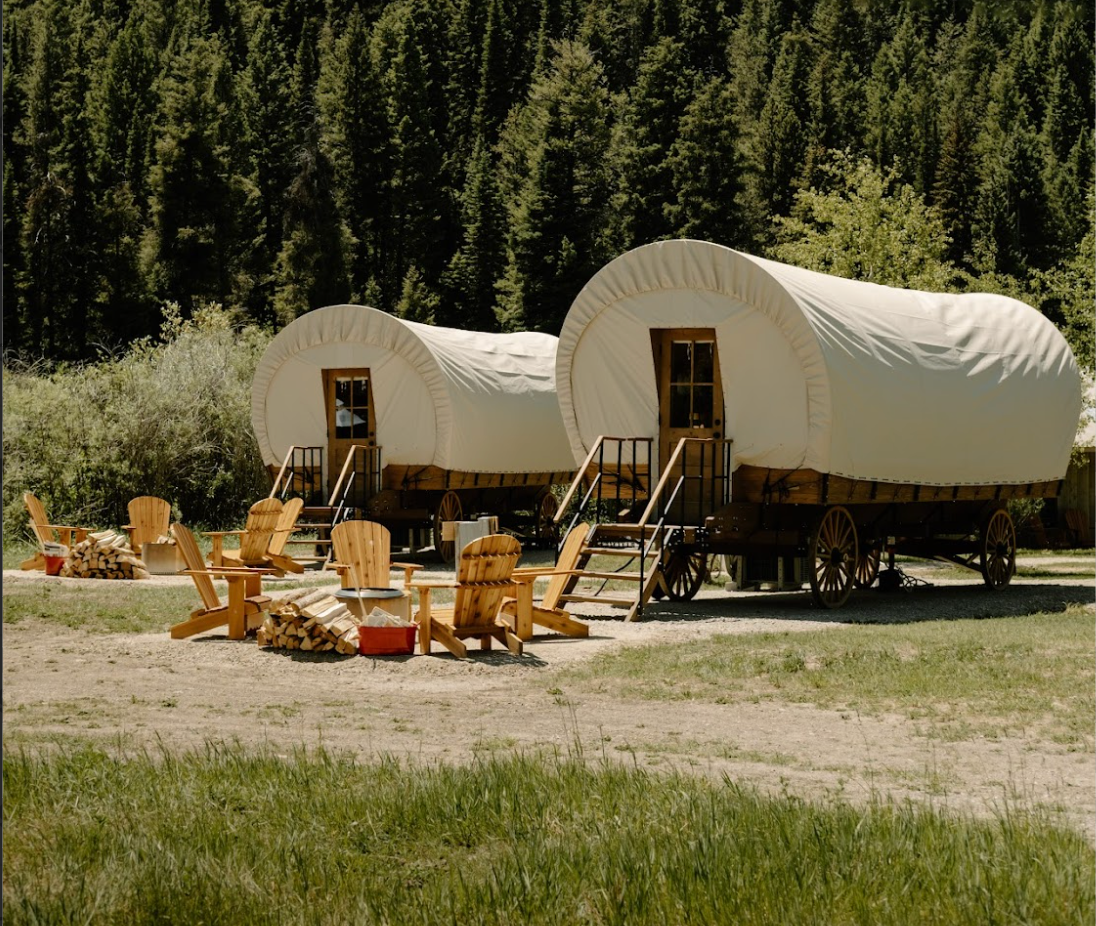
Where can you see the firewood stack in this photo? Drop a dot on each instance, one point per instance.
(103, 555)
(311, 620)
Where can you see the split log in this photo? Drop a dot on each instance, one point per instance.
(103, 555)
(311, 620)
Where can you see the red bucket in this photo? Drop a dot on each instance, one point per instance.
(54, 564)
(387, 641)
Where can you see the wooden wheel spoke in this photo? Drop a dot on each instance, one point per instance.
(836, 558)
(998, 549)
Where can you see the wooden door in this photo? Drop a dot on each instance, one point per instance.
(690, 404)
(348, 396)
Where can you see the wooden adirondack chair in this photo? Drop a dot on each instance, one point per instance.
(362, 550)
(246, 606)
(287, 524)
(149, 520)
(483, 579)
(548, 613)
(263, 521)
(48, 533)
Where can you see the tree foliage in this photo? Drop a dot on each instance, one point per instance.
(474, 161)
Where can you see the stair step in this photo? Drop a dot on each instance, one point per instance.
(601, 599)
(626, 576)
(616, 551)
(612, 532)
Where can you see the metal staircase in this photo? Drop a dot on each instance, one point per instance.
(666, 553)
(302, 474)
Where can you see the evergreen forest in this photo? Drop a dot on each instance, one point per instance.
(472, 163)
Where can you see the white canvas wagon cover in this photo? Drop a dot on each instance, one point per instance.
(461, 400)
(823, 373)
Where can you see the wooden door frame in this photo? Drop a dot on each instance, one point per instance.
(660, 338)
(334, 445)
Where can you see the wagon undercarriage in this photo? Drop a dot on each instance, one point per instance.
(698, 510)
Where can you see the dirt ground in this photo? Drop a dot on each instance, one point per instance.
(146, 689)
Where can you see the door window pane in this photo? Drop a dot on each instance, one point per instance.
(702, 406)
(360, 393)
(679, 406)
(681, 361)
(703, 366)
(342, 417)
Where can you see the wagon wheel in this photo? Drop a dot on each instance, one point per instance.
(832, 550)
(684, 573)
(448, 510)
(998, 550)
(546, 528)
(867, 566)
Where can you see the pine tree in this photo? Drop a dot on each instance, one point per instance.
(555, 241)
(776, 153)
(358, 136)
(312, 270)
(419, 203)
(835, 89)
(192, 247)
(707, 173)
(1011, 229)
(469, 281)
(263, 92)
(646, 133)
(901, 107)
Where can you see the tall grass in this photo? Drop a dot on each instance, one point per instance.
(229, 836)
(170, 418)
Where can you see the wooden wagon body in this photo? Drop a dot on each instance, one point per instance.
(768, 410)
(411, 425)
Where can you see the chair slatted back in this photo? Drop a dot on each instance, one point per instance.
(262, 522)
(151, 519)
(365, 547)
(287, 523)
(192, 556)
(568, 559)
(483, 579)
(38, 520)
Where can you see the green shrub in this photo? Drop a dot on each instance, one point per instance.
(169, 418)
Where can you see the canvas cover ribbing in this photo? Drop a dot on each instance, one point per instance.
(819, 372)
(460, 400)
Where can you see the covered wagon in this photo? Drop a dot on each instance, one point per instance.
(726, 403)
(409, 424)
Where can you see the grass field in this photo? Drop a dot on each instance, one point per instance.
(958, 679)
(228, 836)
(232, 834)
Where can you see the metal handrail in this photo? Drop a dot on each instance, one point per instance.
(288, 470)
(578, 514)
(652, 504)
(341, 491)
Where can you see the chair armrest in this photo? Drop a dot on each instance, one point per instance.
(532, 572)
(221, 533)
(408, 571)
(434, 585)
(228, 572)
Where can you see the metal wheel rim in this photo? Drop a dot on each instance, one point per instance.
(867, 566)
(684, 574)
(449, 509)
(833, 554)
(999, 550)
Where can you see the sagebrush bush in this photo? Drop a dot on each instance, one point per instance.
(170, 418)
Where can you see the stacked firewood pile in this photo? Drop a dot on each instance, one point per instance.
(311, 620)
(103, 555)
